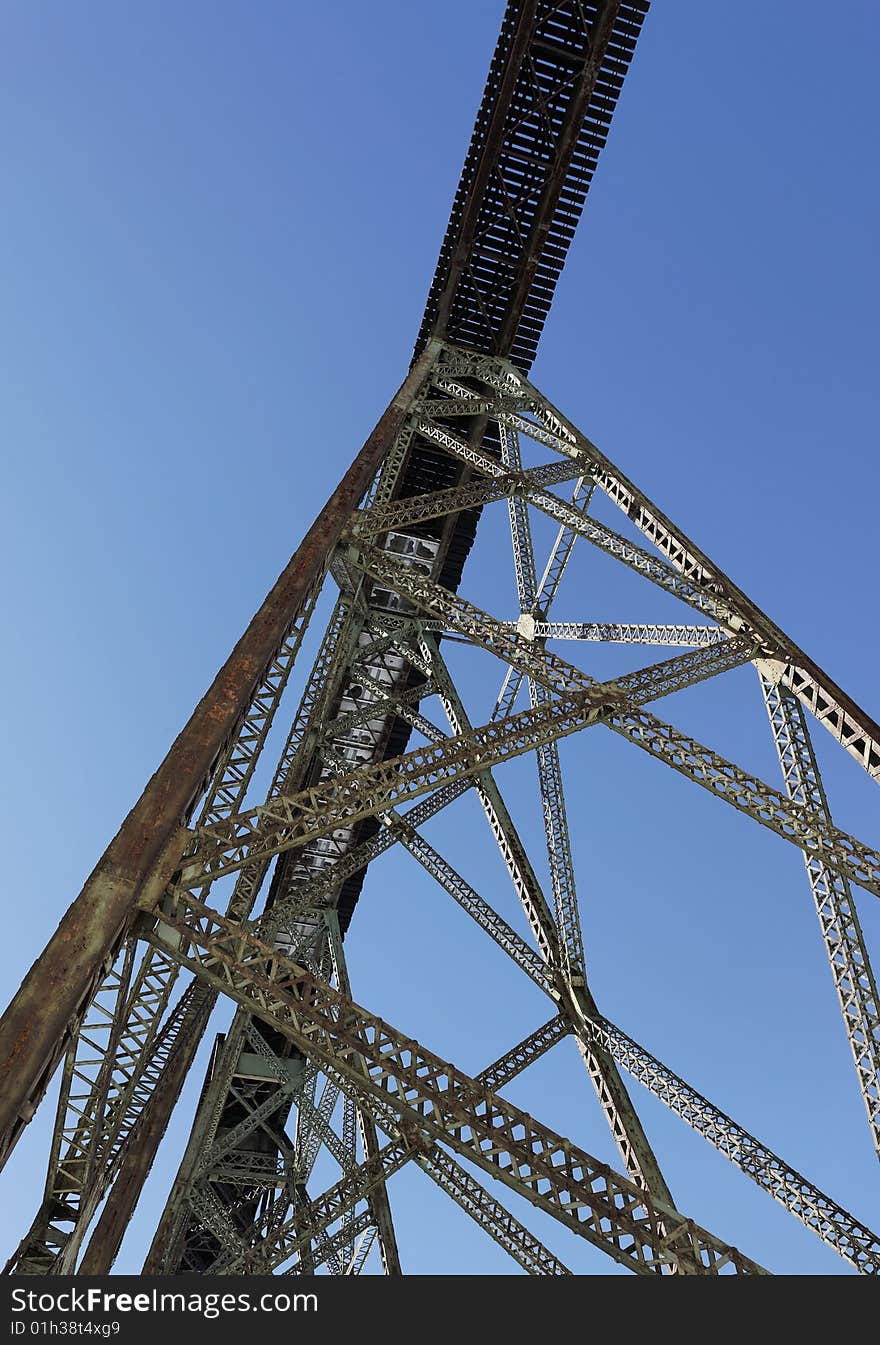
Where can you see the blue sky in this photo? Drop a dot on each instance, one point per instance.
(220, 222)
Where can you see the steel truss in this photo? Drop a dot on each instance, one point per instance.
(303, 1070)
(251, 902)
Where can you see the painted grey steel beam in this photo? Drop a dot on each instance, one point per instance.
(842, 935)
(624, 1220)
(836, 1227)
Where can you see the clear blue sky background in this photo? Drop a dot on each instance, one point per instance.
(220, 222)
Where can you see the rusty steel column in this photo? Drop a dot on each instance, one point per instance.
(143, 1145)
(148, 845)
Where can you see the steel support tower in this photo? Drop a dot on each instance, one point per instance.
(206, 894)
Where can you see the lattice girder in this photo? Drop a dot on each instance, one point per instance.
(586, 1195)
(379, 662)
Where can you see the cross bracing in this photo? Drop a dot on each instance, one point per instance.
(248, 901)
(284, 1085)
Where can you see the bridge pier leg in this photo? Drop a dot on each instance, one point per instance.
(147, 848)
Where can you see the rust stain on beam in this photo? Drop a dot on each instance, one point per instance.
(36, 1026)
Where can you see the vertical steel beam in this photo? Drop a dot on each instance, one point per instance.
(380, 1206)
(842, 934)
(575, 1001)
(144, 1142)
(35, 1027)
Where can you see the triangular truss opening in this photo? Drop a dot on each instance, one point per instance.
(424, 700)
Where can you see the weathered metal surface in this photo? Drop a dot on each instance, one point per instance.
(541, 49)
(143, 1146)
(36, 1026)
(552, 89)
(842, 935)
(241, 1201)
(338, 771)
(392, 1071)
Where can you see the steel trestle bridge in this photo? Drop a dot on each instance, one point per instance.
(206, 895)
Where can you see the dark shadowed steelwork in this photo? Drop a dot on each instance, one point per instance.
(251, 901)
